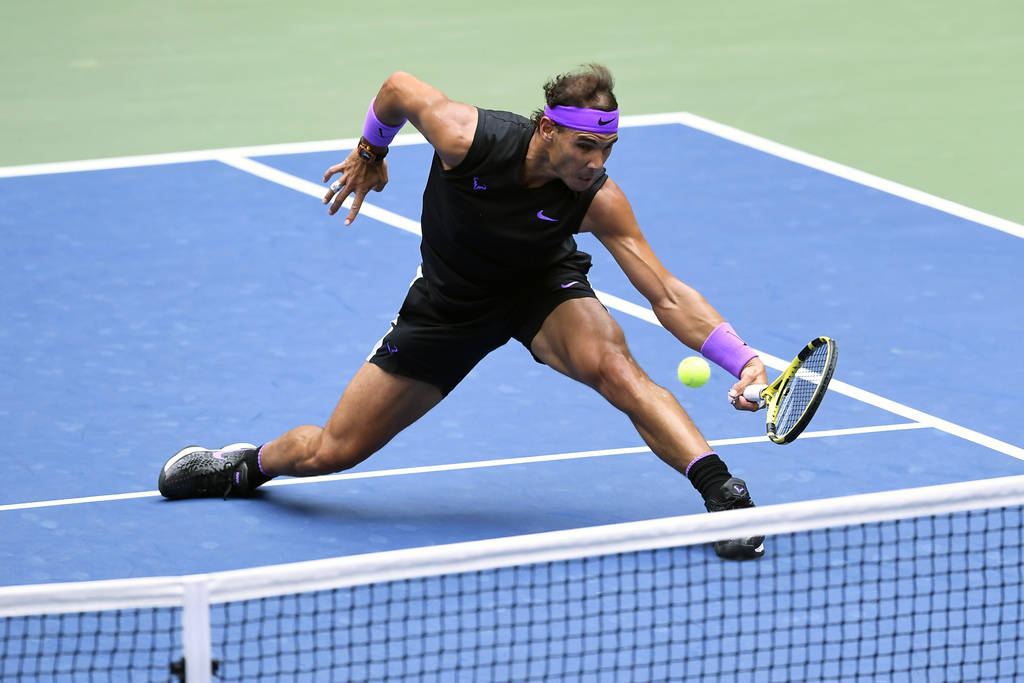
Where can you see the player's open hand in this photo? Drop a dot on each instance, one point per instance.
(356, 177)
(753, 373)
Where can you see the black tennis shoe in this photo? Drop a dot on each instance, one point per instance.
(733, 495)
(195, 472)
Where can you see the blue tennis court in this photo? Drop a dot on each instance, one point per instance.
(154, 305)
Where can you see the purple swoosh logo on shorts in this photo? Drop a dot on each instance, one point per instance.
(569, 284)
(540, 215)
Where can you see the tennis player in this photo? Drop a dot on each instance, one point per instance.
(503, 199)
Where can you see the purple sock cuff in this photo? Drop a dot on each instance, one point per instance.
(694, 462)
(724, 348)
(377, 133)
(259, 460)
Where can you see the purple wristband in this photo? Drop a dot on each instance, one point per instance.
(377, 133)
(724, 347)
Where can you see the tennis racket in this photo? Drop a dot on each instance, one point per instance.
(793, 398)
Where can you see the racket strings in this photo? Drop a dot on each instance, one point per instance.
(801, 390)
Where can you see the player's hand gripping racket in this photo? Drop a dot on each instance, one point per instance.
(793, 398)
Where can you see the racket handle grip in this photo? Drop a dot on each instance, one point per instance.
(753, 393)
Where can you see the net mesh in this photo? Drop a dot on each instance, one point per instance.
(113, 645)
(929, 597)
(934, 598)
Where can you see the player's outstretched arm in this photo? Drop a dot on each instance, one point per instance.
(448, 126)
(681, 309)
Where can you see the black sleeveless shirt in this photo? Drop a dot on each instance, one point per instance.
(484, 234)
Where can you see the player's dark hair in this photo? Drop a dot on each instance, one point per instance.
(590, 87)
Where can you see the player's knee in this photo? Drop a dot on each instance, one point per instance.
(618, 377)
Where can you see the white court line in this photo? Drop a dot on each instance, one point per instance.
(340, 144)
(845, 389)
(140, 160)
(477, 464)
(645, 313)
(860, 177)
(236, 157)
(313, 190)
(685, 118)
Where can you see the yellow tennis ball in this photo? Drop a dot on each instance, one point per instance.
(694, 371)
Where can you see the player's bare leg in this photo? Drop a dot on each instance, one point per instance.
(375, 407)
(581, 340)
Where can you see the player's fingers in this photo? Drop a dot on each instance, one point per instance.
(331, 171)
(357, 203)
(744, 404)
(740, 403)
(336, 187)
(339, 199)
(383, 179)
(333, 189)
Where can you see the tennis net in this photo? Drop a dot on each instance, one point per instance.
(919, 584)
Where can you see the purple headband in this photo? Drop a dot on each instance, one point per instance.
(590, 120)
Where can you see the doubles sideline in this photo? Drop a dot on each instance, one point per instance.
(642, 312)
(470, 465)
(685, 118)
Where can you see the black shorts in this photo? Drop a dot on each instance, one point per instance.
(436, 344)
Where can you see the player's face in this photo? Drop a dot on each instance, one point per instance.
(580, 156)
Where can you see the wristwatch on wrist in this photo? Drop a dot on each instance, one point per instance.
(371, 154)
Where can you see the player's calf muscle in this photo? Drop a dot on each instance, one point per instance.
(333, 456)
(309, 451)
